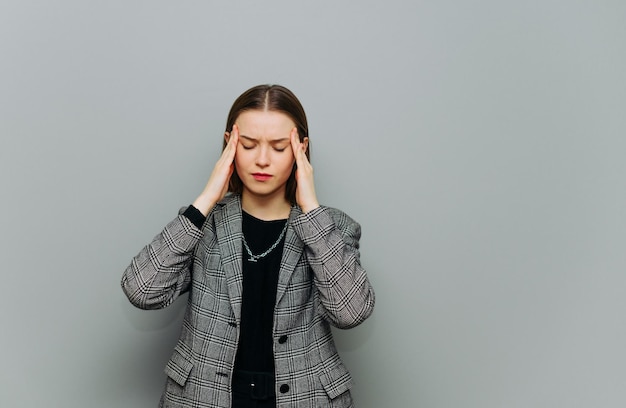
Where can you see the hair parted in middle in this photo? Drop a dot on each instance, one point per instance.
(275, 98)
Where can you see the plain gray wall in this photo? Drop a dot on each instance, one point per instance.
(479, 143)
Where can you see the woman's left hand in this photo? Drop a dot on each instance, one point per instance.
(305, 187)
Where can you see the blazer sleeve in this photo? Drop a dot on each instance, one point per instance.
(331, 240)
(161, 271)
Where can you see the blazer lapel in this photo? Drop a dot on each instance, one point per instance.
(292, 251)
(229, 237)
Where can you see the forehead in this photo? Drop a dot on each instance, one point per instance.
(264, 124)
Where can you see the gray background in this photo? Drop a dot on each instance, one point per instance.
(479, 143)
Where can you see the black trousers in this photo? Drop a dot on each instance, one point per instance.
(253, 389)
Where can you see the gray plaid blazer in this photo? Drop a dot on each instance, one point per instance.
(321, 282)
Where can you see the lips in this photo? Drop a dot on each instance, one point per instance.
(261, 176)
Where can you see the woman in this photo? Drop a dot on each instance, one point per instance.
(268, 270)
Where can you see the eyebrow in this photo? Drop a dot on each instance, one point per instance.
(271, 141)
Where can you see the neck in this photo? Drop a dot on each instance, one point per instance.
(265, 208)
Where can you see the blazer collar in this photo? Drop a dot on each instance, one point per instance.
(229, 238)
(292, 251)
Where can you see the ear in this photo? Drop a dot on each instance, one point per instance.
(226, 137)
(305, 142)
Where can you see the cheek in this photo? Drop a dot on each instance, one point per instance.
(286, 166)
(242, 163)
(242, 157)
(286, 161)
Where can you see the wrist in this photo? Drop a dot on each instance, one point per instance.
(309, 207)
(204, 204)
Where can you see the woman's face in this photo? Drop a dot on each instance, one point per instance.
(264, 157)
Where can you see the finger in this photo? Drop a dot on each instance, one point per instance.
(231, 147)
(296, 146)
(293, 138)
(233, 136)
(304, 160)
(235, 139)
(236, 132)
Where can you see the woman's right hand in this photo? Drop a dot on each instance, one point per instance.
(217, 185)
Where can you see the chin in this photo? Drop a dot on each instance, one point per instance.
(264, 191)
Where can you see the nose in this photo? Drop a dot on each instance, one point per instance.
(262, 158)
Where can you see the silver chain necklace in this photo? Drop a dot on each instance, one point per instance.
(254, 258)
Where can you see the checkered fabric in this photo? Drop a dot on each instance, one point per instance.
(321, 283)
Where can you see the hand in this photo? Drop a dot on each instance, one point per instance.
(217, 185)
(305, 187)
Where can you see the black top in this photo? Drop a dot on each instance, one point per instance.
(260, 280)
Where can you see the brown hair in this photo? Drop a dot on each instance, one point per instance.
(269, 98)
